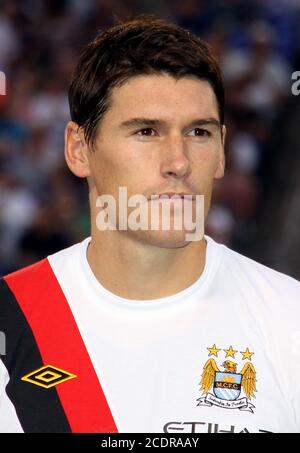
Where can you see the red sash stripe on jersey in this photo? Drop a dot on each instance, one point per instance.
(37, 411)
(46, 310)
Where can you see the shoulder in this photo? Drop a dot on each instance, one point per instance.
(38, 276)
(257, 278)
(273, 276)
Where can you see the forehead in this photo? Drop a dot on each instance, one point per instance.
(163, 96)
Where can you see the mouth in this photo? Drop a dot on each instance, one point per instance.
(170, 195)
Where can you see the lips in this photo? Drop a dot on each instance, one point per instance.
(168, 195)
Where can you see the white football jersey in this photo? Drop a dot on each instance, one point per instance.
(223, 355)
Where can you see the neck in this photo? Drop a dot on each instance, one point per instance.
(136, 270)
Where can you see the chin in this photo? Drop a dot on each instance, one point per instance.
(162, 239)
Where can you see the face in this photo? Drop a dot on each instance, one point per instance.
(160, 135)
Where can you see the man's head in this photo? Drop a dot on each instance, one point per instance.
(147, 109)
(141, 47)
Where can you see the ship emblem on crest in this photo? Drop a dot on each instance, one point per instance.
(228, 385)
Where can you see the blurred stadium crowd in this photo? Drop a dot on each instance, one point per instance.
(43, 208)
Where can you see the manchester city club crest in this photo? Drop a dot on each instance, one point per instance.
(230, 389)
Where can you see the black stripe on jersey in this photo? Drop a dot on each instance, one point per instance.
(39, 410)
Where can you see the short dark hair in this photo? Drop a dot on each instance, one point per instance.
(145, 45)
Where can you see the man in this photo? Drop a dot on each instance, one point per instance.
(143, 329)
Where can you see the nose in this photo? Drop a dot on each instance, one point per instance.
(175, 160)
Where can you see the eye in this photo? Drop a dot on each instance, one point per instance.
(199, 132)
(146, 132)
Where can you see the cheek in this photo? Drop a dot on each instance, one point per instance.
(139, 166)
(104, 174)
(206, 163)
(112, 171)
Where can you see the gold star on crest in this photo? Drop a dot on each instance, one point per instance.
(230, 352)
(213, 350)
(247, 354)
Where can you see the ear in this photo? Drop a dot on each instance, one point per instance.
(221, 163)
(76, 150)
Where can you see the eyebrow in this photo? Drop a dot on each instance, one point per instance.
(152, 122)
